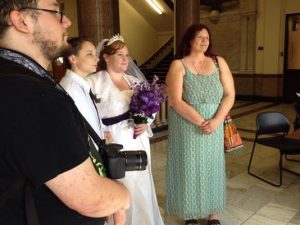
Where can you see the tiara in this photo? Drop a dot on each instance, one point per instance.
(115, 38)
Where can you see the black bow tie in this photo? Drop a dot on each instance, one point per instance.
(93, 97)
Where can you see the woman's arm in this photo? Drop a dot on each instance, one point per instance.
(227, 100)
(174, 82)
(228, 87)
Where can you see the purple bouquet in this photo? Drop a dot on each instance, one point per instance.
(146, 100)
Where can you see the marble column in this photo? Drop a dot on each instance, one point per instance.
(163, 107)
(248, 20)
(187, 12)
(98, 19)
(157, 121)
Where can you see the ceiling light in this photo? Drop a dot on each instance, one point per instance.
(155, 6)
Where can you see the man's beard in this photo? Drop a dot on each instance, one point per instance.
(49, 49)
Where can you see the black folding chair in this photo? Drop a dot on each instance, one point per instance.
(297, 119)
(276, 125)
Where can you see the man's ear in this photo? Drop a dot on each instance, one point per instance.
(19, 21)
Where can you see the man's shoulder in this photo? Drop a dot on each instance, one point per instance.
(14, 73)
(9, 67)
(4, 61)
(20, 85)
(20, 75)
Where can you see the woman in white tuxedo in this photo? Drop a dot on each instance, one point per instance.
(113, 89)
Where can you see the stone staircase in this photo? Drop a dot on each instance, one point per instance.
(161, 69)
(158, 64)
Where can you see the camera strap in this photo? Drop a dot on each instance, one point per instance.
(93, 134)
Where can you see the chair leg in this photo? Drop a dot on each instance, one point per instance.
(288, 170)
(250, 161)
(261, 178)
(280, 169)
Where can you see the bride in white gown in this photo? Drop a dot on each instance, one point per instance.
(113, 90)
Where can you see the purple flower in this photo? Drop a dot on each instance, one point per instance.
(146, 100)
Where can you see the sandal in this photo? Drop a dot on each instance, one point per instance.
(213, 222)
(191, 222)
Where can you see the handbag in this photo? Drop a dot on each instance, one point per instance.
(232, 139)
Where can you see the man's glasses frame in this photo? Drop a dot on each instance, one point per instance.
(61, 12)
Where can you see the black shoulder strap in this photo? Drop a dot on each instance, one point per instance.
(12, 189)
(31, 215)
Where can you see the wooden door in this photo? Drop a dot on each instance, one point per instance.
(292, 58)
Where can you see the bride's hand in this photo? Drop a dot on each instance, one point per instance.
(107, 137)
(140, 128)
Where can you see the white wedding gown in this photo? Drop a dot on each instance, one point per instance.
(113, 102)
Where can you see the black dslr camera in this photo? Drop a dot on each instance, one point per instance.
(117, 162)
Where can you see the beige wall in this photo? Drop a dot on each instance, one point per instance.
(271, 33)
(163, 37)
(292, 6)
(139, 35)
(233, 35)
(268, 36)
(71, 12)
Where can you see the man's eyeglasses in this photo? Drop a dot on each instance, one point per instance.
(60, 11)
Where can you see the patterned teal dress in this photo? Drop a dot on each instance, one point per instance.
(196, 182)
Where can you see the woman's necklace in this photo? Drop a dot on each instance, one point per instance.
(201, 65)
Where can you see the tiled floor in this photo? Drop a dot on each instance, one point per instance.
(249, 200)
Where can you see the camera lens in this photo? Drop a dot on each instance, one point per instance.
(135, 160)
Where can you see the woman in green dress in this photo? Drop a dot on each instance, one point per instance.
(201, 93)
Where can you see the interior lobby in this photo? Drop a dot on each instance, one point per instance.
(249, 200)
(260, 41)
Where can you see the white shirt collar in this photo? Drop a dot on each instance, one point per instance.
(80, 80)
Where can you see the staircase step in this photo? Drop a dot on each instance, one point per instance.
(167, 60)
(162, 69)
(160, 76)
(165, 67)
(158, 73)
(164, 64)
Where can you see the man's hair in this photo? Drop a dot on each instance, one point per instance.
(7, 6)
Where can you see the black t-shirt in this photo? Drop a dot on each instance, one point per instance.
(41, 136)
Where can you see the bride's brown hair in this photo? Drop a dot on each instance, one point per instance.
(109, 50)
